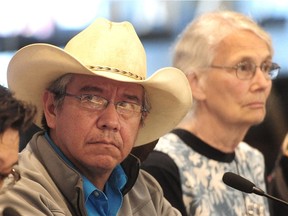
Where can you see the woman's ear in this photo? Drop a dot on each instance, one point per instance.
(196, 85)
(49, 108)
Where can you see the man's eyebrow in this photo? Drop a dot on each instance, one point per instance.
(132, 97)
(100, 90)
(91, 89)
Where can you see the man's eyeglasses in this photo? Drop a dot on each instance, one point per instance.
(97, 103)
(246, 70)
(9, 180)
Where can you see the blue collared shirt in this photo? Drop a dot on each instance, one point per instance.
(98, 202)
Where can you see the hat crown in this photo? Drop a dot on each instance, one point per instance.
(106, 44)
(101, 46)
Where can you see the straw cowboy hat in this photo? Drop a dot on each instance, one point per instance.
(108, 49)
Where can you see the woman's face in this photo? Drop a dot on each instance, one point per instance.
(229, 99)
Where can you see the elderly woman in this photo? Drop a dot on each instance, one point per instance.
(227, 59)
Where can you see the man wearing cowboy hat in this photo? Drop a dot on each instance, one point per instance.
(98, 104)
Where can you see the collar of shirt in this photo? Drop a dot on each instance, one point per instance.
(96, 201)
(109, 201)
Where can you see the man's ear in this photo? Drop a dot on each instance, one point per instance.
(196, 86)
(49, 109)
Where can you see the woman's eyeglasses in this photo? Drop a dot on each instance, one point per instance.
(246, 70)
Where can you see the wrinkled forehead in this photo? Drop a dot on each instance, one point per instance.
(90, 82)
(243, 44)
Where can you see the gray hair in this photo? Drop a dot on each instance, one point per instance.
(58, 88)
(196, 45)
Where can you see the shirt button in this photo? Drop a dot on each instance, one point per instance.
(96, 193)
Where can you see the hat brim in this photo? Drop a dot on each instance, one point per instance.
(34, 67)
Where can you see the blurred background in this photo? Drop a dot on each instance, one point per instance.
(157, 22)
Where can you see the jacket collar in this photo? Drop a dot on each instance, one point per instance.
(49, 158)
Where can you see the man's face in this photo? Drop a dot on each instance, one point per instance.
(94, 140)
(9, 146)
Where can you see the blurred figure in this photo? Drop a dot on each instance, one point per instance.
(278, 180)
(95, 104)
(15, 117)
(227, 59)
